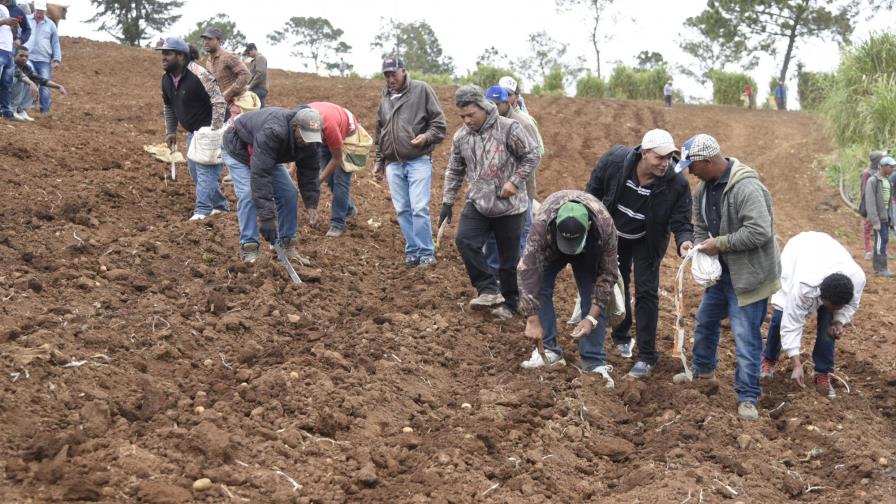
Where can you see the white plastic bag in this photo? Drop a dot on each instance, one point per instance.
(705, 269)
(205, 147)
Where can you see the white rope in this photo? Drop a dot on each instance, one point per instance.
(678, 350)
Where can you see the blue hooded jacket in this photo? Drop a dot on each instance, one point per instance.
(16, 12)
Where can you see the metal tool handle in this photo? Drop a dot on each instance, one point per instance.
(281, 254)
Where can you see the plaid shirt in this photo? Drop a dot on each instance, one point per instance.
(232, 74)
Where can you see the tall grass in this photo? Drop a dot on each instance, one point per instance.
(728, 87)
(590, 86)
(627, 83)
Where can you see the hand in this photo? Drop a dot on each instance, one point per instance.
(446, 213)
(313, 216)
(62, 90)
(508, 190)
(35, 92)
(171, 140)
(379, 170)
(685, 248)
(797, 374)
(56, 64)
(836, 330)
(709, 247)
(419, 140)
(876, 228)
(582, 329)
(534, 332)
(268, 230)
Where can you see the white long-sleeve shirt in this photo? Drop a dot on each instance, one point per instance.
(6, 35)
(807, 259)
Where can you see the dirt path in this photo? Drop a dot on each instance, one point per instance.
(355, 386)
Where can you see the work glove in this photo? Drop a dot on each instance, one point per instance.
(268, 230)
(171, 140)
(445, 214)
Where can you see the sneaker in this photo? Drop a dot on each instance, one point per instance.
(766, 368)
(352, 213)
(425, 262)
(502, 312)
(641, 369)
(17, 116)
(411, 261)
(684, 378)
(198, 217)
(625, 349)
(486, 300)
(605, 372)
(335, 232)
(249, 252)
(216, 211)
(536, 361)
(292, 252)
(25, 116)
(885, 274)
(868, 256)
(747, 410)
(824, 386)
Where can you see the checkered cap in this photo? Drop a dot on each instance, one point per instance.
(697, 148)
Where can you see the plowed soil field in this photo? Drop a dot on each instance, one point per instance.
(139, 355)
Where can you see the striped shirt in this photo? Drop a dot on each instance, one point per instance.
(630, 208)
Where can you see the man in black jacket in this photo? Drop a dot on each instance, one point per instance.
(255, 150)
(646, 199)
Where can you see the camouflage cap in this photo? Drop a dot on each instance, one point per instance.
(471, 93)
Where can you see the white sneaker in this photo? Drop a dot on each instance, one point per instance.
(605, 372)
(625, 349)
(26, 116)
(536, 361)
(215, 211)
(198, 216)
(486, 300)
(18, 117)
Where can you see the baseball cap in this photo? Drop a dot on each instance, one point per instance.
(697, 148)
(659, 141)
(309, 122)
(572, 227)
(509, 83)
(392, 64)
(250, 47)
(40, 5)
(212, 32)
(887, 161)
(176, 44)
(496, 94)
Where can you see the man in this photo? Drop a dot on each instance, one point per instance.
(748, 96)
(193, 100)
(874, 158)
(258, 68)
(343, 67)
(667, 94)
(733, 220)
(878, 197)
(646, 198)
(496, 156)
(570, 227)
(409, 125)
(781, 96)
(8, 28)
(22, 30)
(231, 74)
(255, 150)
(338, 124)
(46, 54)
(829, 284)
(25, 88)
(516, 99)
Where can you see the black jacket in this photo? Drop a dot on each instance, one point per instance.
(268, 133)
(190, 101)
(669, 204)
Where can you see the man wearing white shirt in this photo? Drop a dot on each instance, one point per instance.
(817, 275)
(46, 53)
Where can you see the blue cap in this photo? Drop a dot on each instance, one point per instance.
(175, 44)
(496, 94)
(887, 161)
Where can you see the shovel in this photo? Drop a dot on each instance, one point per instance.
(281, 254)
(173, 170)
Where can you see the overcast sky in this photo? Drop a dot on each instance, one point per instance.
(466, 27)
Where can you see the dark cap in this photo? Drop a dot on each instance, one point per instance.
(392, 64)
(572, 227)
(212, 32)
(251, 47)
(175, 44)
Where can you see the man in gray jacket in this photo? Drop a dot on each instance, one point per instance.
(497, 157)
(878, 195)
(732, 220)
(258, 67)
(409, 125)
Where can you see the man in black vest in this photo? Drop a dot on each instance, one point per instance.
(646, 199)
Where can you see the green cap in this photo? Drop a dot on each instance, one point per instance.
(572, 227)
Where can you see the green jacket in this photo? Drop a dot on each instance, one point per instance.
(747, 234)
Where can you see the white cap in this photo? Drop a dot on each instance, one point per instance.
(659, 141)
(509, 83)
(40, 5)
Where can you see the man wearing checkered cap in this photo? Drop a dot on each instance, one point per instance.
(733, 220)
(647, 199)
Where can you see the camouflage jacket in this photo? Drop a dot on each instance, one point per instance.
(528, 125)
(498, 152)
(542, 249)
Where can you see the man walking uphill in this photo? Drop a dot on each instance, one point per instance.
(496, 156)
(878, 200)
(647, 199)
(409, 125)
(232, 74)
(258, 67)
(733, 220)
(46, 54)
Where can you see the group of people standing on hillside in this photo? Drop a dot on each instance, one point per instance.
(636, 198)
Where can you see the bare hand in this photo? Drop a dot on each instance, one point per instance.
(419, 140)
(62, 90)
(171, 140)
(35, 92)
(533, 329)
(313, 216)
(709, 247)
(56, 64)
(583, 329)
(379, 171)
(508, 190)
(685, 248)
(836, 330)
(797, 374)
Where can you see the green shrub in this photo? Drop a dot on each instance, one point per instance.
(812, 88)
(728, 87)
(486, 76)
(552, 85)
(626, 83)
(590, 86)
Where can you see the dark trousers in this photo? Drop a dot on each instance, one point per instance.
(822, 352)
(634, 254)
(473, 231)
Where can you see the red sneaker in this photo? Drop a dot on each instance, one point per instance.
(824, 386)
(766, 368)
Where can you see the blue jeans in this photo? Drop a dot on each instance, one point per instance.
(262, 94)
(208, 191)
(719, 302)
(45, 70)
(340, 183)
(591, 347)
(410, 183)
(286, 197)
(491, 246)
(822, 353)
(7, 72)
(21, 96)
